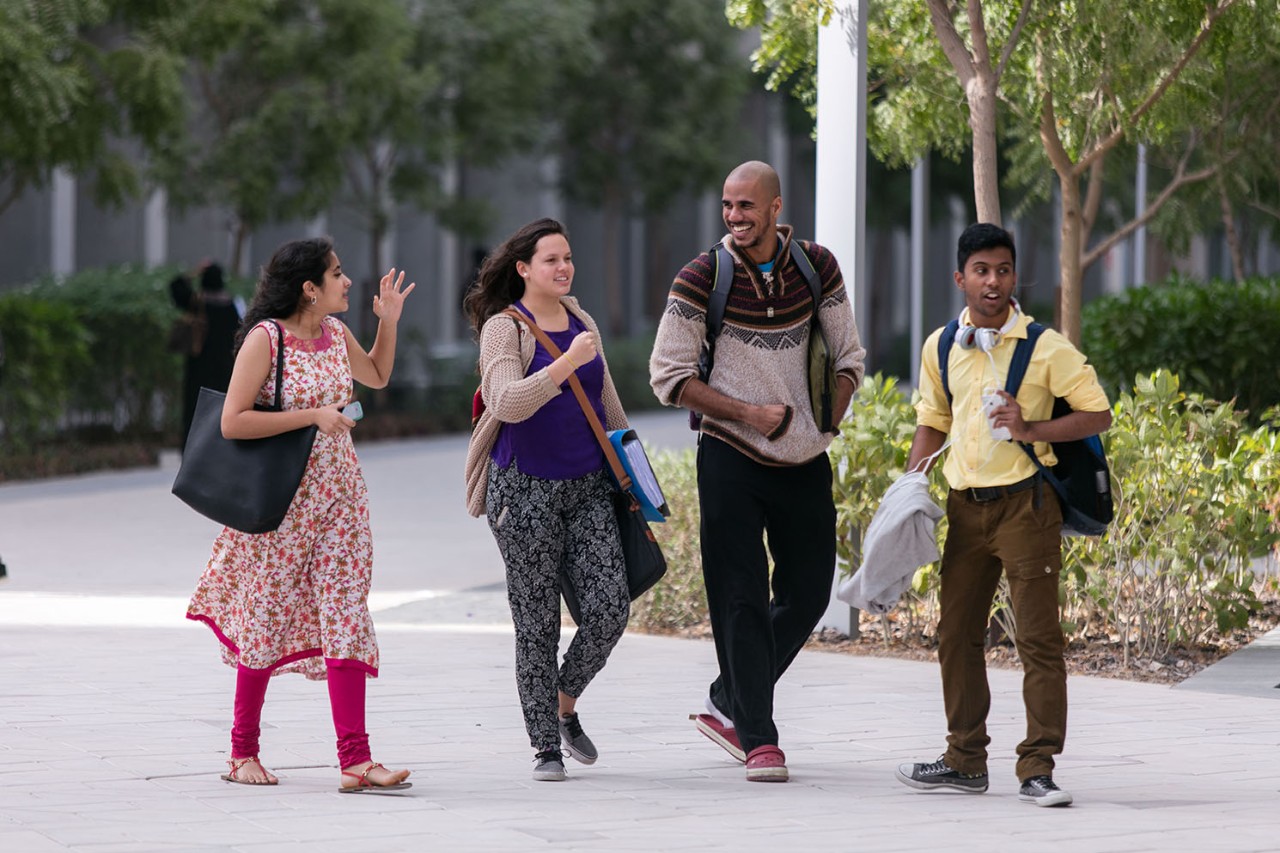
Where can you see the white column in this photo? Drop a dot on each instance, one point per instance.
(710, 222)
(841, 162)
(552, 204)
(450, 274)
(62, 245)
(840, 216)
(919, 257)
(1139, 237)
(155, 229)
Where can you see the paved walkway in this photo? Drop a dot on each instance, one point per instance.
(114, 715)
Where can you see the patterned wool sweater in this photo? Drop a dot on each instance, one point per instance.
(761, 354)
(506, 351)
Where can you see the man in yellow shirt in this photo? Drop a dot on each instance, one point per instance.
(1002, 516)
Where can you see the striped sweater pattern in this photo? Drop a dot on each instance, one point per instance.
(761, 354)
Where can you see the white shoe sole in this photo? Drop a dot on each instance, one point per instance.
(1057, 798)
(577, 756)
(715, 737)
(770, 774)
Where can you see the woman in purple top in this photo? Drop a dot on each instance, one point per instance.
(548, 493)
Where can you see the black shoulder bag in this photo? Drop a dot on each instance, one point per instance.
(243, 483)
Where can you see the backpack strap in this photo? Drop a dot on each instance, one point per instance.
(1022, 358)
(810, 276)
(945, 341)
(1017, 371)
(1017, 365)
(721, 284)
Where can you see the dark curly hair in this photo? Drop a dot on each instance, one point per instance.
(279, 291)
(498, 285)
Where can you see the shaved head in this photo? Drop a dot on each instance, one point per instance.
(751, 203)
(759, 173)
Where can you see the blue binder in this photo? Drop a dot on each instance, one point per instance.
(644, 485)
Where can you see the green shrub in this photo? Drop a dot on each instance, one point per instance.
(1196, 501)
(45, 349)
(1221, 337)
(679, 600)
(132, 381)
(629, 367)
(1197, 498)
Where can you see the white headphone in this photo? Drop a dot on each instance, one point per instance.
(983, 338)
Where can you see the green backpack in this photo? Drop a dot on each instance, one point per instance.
(821, 366)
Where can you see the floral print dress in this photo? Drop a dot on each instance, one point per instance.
(285, 601)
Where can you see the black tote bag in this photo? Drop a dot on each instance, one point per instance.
(243, 483)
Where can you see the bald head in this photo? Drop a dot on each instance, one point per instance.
(759, 173)
(750, 206)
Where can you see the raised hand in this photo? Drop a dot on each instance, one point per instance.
(389, 300)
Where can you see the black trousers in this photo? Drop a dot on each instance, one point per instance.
(757, 634)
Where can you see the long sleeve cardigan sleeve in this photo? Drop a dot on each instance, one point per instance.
(506, 351)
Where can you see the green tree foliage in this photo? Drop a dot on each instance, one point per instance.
(258, 131)
(307, 100)
(1078, 82)
(77, 79)
(650, 104)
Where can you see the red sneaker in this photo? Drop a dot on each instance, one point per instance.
(725, 737)
(766, 764)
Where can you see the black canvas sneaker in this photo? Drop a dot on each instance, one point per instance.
(548, 766)
(937, 776)
(576, 742)
(1041, 791)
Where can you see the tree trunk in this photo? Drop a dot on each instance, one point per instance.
(1069, 299)
(613, 211)
(237, 245)
(986, 163)
(1233, 236)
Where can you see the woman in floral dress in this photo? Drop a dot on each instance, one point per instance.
(296, 599)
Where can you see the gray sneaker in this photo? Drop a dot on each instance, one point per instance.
(548, 766)
(930, 777)
(1041, 791)
(576, 743)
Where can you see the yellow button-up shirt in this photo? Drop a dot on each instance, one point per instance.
(1057, 369)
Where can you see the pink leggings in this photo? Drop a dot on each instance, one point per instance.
(346, 700)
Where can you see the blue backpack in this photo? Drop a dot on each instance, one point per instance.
(1081, 478)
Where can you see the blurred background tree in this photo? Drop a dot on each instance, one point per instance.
(81, 81)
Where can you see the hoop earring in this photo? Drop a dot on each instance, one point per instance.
(313, 300)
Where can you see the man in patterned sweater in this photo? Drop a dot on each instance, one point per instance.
(762, 461)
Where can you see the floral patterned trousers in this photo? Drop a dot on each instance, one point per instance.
(544, 527)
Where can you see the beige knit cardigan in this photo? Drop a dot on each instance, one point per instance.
(506, 351)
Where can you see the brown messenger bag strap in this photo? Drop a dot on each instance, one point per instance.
(610, 454)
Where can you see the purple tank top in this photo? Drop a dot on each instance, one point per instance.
(556, 443)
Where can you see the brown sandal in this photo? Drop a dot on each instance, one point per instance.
(364, 786)
(236, 763)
